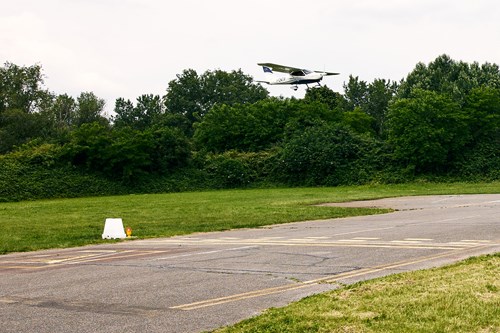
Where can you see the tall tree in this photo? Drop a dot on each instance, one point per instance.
(482, 108)
(326, 96)
(454, 78)
(143, 115)
(18, 127)
(21, 88)
(90, 109)
(64, 110)
(193, 95)
(380, 93)
(427, 131)
(355, 93)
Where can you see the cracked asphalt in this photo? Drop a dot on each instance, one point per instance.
(205, 281)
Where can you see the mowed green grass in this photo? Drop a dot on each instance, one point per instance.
(34, 225)
(464, 297)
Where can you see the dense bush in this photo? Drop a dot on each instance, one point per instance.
(259, 126)
(37, 173)
(126, 153)
(235, 169)
(326, 155)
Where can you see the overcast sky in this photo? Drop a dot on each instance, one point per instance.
(126, 48)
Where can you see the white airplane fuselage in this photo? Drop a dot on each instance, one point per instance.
(293, 79)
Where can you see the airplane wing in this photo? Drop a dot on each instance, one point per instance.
(327, 73)
(280, 68)
(289, 70)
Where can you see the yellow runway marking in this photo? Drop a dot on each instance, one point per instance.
(49, 262)
(419, 239)
(327, 279)
(364, 243)
(476, 240)
(318, 237)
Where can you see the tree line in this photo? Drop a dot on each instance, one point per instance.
(220, 129)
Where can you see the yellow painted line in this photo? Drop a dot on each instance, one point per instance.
(406, 242)
(7, 300)
(127, 254)
(81, 259)
(74, 258)
(99, 251)
(237, 297)
(318, 237)
(476, 240)
(327, 279)
(22, 267)
(463, 243)
(420, 239)
(21, 262)
(273, 237)
(338, 243)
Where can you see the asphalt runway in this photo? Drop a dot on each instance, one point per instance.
(205, 281)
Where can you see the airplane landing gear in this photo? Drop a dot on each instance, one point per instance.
(295, 87)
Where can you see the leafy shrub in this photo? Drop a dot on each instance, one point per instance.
(480, 163)
(226, 171)
(326, 155)
(22, 179)
(127, 154)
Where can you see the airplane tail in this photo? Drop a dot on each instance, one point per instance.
(267, 69)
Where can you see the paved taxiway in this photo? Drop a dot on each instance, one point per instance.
(204, 281)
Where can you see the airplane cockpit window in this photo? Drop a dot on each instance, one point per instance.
(307, 71)
(298, 73)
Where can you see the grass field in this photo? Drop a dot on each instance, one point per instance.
(34, 225)
(463, 297)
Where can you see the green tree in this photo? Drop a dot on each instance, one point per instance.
(63, 111)
(171, 149)
(355, 93)
(61, 116)
(372, 98)
(22, 100)
(380, 93)
(147, 111)
(480, 156)
(243, 127)
(359, 121)
(427, 131)
(482, 107)
(447, 76)
(324, 155)
(89, 109)
(18, 127)
(185, 95)
(258, 126)
(193, 95)
(326, 96)
(125, 153)
(21, 88)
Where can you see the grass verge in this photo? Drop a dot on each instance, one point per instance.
(464, 297)
(34, 225)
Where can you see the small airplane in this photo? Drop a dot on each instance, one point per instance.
(295, 76)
